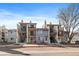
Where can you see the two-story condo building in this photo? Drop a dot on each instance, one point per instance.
(12, 36)
(8, 35)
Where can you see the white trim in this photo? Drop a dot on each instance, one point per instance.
(49, 35)
(27, 34)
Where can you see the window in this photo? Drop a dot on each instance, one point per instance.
(24, 34)
(51, 30)
(46, 38)
(31, 33)
(11, 32)
(3, 34)
(60, 33)
(2, 38)
(39, 38)
(12, 38)
(23, 28)
(32, 26)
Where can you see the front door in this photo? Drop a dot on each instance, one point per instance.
(22, 40)
(53, 40)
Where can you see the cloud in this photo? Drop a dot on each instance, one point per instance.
(10, 20)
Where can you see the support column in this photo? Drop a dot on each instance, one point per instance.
(57, 34)
(49, 35)
(36, 34)
(17, 35)
(27, 34)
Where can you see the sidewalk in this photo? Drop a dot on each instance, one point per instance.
(24, 45)
(37, 45)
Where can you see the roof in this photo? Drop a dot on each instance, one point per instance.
(27, 23)
(42, 29)
(12, 29)
(53, 25)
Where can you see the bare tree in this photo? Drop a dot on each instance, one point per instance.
(69, 18)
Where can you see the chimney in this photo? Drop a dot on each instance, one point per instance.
(30, 21)
(45, 24)
(22, 21)
(50, 23)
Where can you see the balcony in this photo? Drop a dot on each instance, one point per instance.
(61, 29)
(32, 26)
(32, 33)
(31, 29)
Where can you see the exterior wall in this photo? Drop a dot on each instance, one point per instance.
(42, 36)
(5, 31)
(32, 33)
(6, 35)
(75, 38)
(0, 36)
(22, 32)
(26, 28)
(56, 29)
(61, 34)
(12, 36)
(53, 33)
(39, 36)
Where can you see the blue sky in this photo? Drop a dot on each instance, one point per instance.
(12, 13)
